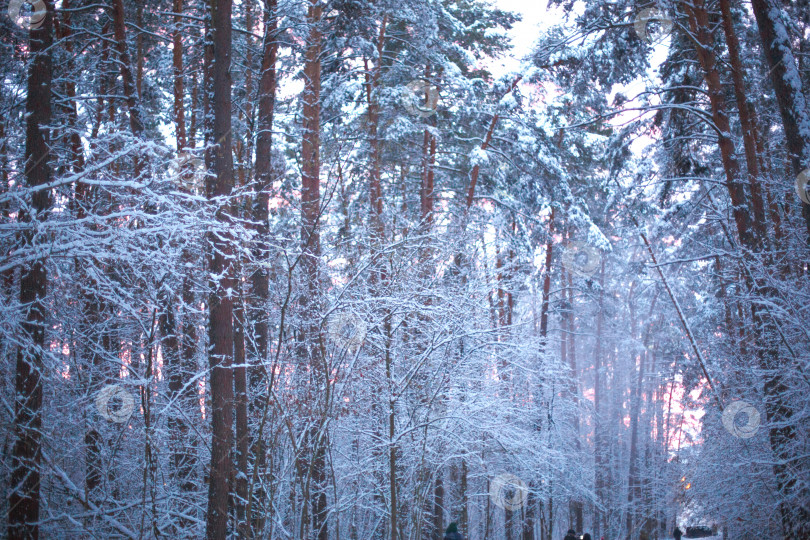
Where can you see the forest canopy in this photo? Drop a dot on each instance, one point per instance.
(327, 269)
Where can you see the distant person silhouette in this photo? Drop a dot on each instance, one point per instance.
(571, 535)
(586, 536)
(677, 533)
(452, 532)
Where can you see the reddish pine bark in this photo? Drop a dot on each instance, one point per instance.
(699, 24)
(24, 499)
(180, 350)
(310, 152)
(484, 145)
(220, 264)
(372, 78)
(242, 430)
(264, 178)
(260, 279)
(125, 63)
(310, 233)
(242, 150)
(787, 84)
(428, 175)
(794, 116)
(91, 304)
(749, 127)
(547, 279)
(177, 72)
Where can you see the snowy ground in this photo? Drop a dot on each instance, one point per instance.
(718, 537)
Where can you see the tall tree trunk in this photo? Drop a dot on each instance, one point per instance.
(132, 99)
(220, 264)
(577, 505)
(175, 357)
(547, 280)
(125, 65)
(90, 302)
(139, 51)
(24, 499)
(635, 406)
(634, 483)
(260, 279)
(311, 252)
(242, 431)
(181, 387)
(438, 503)
(464, 519)
(181, 357)
(501, 308)
(532, 499)
(484, 145)
(100, 310)
(793, 108)
(379, 277)
(74, 140)
(599, 438)
(508, 520)
(699, 24)
(178, 86)
(392, 446)
(241, 323)
(793, 105)
(375, 181)
(747, 116)
(426, 195)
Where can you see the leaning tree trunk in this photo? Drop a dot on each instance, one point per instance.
(24, 499)
(220, 264)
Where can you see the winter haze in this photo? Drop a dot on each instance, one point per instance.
(412, 270)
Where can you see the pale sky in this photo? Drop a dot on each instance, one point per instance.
(535, 16)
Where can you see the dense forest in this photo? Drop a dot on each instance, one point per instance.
(326, 269)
